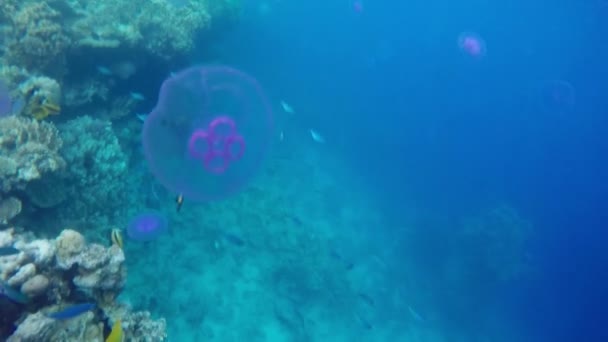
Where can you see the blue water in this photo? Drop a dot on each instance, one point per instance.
(444, 137)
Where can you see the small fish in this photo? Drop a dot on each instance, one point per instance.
(367, 299)
(72, 311)
(137, 96)
(347, 263)
(103, 70)
(414, 314)
(317, 137)
(116, 333)
(179, 200)
(286, 107)
(281, 136)
(4, 251)
(364, 322)
(234, 239)
(141, 117)
(12, 294)
(116, 237)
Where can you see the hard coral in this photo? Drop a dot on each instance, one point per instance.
(81, 269)
(96, 161)
(28, 150)
(9, 208)
(100, 269)
(154, 26)
(39, 41)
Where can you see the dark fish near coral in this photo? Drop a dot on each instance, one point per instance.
(72, 311)
(13, 294)
(4, 251)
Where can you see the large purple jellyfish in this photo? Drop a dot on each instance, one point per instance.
(209, 132)
(147, 226)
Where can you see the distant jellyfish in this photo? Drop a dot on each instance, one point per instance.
(147, 226)
(558, 96)
(472, 44)
(358, 6)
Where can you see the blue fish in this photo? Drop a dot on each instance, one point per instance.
(4, 251)
(72, 311)
(13, 294)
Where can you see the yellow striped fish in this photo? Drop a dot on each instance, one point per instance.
(116, 333)
(116, 236)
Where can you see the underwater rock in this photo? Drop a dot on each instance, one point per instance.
(35, 286)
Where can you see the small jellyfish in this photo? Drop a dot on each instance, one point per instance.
(472, 44)
(147, 226)
(558, 96)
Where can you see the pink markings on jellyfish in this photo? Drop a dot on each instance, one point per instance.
(147, 226)
(472, 44)
(558, 96)
(221, 145)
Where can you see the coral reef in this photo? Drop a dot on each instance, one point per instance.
(28, 150)
(96, 160)
(57, 273)
(102, 42)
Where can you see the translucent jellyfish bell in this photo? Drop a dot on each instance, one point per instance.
(209, 132)
(472, 44)
(147, 226)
